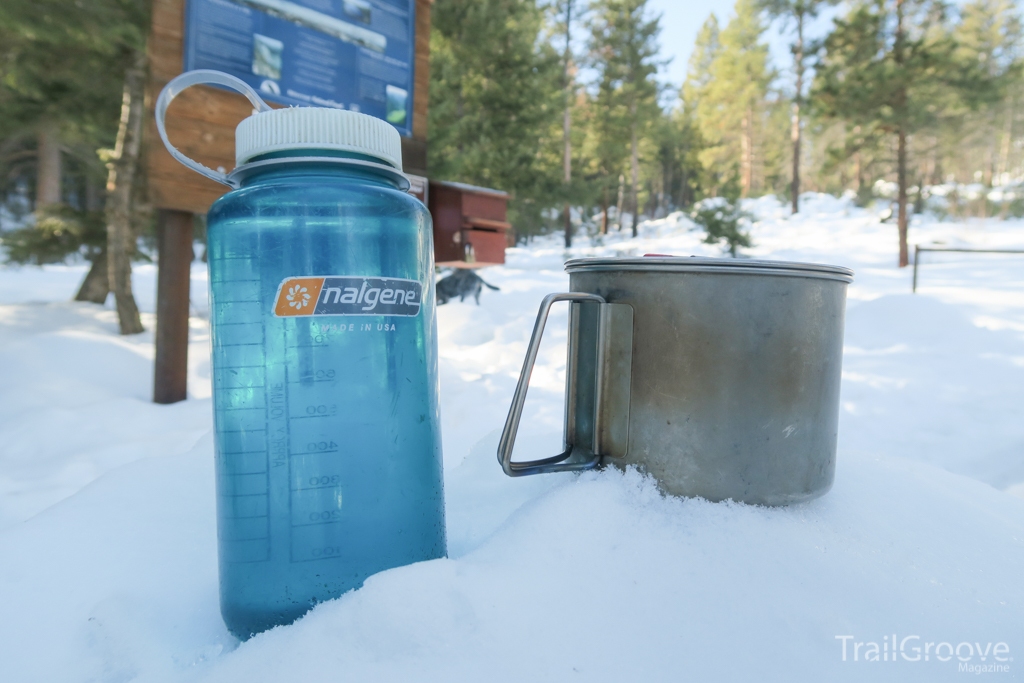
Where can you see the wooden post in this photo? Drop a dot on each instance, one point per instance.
(174, 242)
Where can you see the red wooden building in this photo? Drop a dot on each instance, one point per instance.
(470, 226)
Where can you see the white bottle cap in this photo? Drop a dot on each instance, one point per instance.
(297, 128)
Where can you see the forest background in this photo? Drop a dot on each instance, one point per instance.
(563, 103)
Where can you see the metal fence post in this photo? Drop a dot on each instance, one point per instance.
(918, 250)
(917, 257)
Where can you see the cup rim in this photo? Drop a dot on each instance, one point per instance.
(703, 264)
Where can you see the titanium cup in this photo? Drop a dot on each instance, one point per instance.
(718, 377)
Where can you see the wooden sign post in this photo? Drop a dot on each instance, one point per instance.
(201, 123)
(174, 270)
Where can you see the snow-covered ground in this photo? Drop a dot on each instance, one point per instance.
(107, 537)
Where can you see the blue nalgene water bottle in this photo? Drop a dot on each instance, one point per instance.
(325, 385)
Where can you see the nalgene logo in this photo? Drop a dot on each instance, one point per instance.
(346, 295)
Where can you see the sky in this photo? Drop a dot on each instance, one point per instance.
(682, 19)
(680, 22)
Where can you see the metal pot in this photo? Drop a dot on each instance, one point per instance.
(719, 377)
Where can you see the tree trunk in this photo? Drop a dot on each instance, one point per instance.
(93, 195)
(798, 58)
(684, 187)
(567, 167)
(1004, 151)
(567, 216)
(746, 161)
(604, 211)
(667, 181)
(458, 118)
(567, 121)
(1004, 156)
(120, 180)
(618, 204)
(901, 181)
(96, 284)
(990, 162)
(901, 141)
(48, 167)
(859, 170)
(634, 175)
(795, 135)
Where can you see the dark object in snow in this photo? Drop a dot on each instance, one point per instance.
(461, 283)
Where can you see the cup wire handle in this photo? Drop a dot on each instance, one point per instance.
(201, 77)
(555, 463)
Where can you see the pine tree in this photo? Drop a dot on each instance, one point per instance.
(690, 183)
(604, 154)
(570, 11)
(54, 96)
(496, 102)
(669, 140)
(623, 49)
(608, 128)
(798, 13)
(66, 65)
(732, 103)
(886, 67)
(698, 74)
(722, 221)
(988, 39)
(698, 80)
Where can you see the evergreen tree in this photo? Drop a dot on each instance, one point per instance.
(886, 66)
(608, 127)
(698, 74)
(65, 68)
(623, 48)
(988, 39)
(796, 12)
(722, 221)
(856, 154)
(570, 11)
(671, 180)
(43, 85)
(690, 183)
(732, 100)
(496, 102)
(712, 175)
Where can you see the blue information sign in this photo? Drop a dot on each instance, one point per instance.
(349, 54)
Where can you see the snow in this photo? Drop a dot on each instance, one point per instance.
(107, 538)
